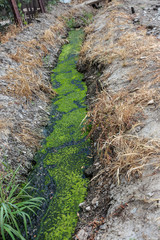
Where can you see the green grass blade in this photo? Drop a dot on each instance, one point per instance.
(14, 231)
(2, 223)
(9, 232)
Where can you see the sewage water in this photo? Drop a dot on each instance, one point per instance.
(58, 175)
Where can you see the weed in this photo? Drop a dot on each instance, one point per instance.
(46, 59)
(71, 23)
(15, 203)
(50, 4)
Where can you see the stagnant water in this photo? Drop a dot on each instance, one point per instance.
(58, 175)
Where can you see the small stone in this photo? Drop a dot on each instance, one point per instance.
(81, 205)
(88, 208)
(151, 102)
(94, 200)
(103, 227)
(133, 210)
(82, 235)
(97, 203)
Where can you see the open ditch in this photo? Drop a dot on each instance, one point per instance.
(58, 175)
(114, 63)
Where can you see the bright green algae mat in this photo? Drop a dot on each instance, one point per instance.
(64, 153)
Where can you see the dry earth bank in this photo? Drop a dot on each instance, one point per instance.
(123, 63)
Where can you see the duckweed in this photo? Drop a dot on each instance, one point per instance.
(65, 150)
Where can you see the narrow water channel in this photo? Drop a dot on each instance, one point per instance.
(58, 175)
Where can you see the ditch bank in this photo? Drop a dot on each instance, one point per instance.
(121, 57)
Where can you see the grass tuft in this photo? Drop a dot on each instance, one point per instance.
(15, 204)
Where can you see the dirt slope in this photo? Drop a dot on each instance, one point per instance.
(122, 56)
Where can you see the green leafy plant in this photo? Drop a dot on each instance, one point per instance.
(71, 23)
(15, 205)
(21, 12)
(46, 59)
(87, 18)
(50, 4)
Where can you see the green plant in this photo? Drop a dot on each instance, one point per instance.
(71, 23)
(15, 204)
(87, 18)
(50, 4)
(5, 6)
(46, 59)
(21, 12)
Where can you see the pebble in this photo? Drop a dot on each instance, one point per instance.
(95, 202)
(104, 226)
(88, 208)
(133, 210)
(81, 205)
(82, 235)
(151, 102)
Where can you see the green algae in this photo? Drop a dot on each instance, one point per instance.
(64, 153)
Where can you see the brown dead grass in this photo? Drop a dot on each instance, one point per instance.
(12, 31)
(116, 115)
(26, 80)
(114, 118)
(29, 137)
(4, 124)
(119, 43)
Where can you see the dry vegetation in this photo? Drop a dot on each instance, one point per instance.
(114, 119)
(11, 32)
(118, 112)
(26, 80)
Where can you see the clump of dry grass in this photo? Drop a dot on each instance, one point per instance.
(26, 80)
(118, 111)
(11, 32)
(29, 137)
(119, 41)
(4, 123)
(113, 119)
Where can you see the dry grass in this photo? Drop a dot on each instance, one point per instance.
(119, 41)
(5, 123)
(2, 124)
(119, 111)
(29, 137)
(12, 31)
(114, 117)
(27, 80)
